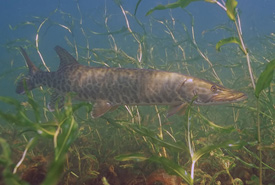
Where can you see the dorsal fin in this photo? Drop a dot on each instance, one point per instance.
(65, 57)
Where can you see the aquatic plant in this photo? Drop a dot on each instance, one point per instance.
(264, 79)
(62, 132)
(205, 145)
(263, 82)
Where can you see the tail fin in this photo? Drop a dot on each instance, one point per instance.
(26, 83)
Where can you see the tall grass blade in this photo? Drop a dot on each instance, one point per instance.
(143, 131)
(172, 167)
(227, 144)
(179, 3)
(6, 164)
(265, 78)
(55, 172)
(130, 157)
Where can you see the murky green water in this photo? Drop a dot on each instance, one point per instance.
(137, 144)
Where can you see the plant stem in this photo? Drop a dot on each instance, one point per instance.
(259, 143)
(238, 27)
(191, 150)
(139, 56)
(37, 39)
(204, 56)
(192, 171)
(29, 145)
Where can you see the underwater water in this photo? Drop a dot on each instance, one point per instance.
(231, 43)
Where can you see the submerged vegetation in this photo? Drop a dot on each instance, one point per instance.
(231, 144)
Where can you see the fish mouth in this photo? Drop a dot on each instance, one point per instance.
(228, 97)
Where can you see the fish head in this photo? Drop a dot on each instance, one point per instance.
(203, 92)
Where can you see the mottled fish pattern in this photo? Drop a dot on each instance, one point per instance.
(111, 87)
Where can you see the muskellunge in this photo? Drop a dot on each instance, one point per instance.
(110, 87)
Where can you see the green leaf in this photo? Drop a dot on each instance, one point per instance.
(130, 157)
(169, 165)
(55, 172)
(139, 1)
(65, 138)
(265, 78)
(227, 144)
(179, 3)
(11, 101)
(5, 153)
(6, 164)
(67, 134)
(172, 167)
(34, 106)
(104, 181)
(231, 9)
(227, 129)
(228, 41)
(177, 146)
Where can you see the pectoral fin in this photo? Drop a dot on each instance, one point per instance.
(57, 101)
(177, 109)
(101, 107)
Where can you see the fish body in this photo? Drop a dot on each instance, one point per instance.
(111, 87)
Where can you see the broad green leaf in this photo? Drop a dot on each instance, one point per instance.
(227, 144)
(231, 9)
(265, 78)
(228, 41)
(65, 138)
(172, 167)
(55, 171)
(178, 4)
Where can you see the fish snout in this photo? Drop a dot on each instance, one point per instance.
(228, 96)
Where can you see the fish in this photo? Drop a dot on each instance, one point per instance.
(109, 88)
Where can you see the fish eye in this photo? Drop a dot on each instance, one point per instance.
(213, 88)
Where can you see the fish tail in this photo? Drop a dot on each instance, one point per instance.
(27, 83)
